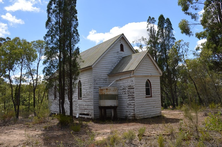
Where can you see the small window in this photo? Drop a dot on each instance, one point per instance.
(121, 48)
(79, 90)
(148, 88)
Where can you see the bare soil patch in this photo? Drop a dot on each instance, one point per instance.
(50, 134)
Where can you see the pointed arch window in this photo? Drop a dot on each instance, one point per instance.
(121, 47)
(79, 90)
(148, 88)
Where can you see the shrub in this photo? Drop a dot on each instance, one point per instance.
(63, 120)
(141, 132)
(114, 139)
(179, 139)
(160, 141)
(213, 106)
(75, 127)
(6, 117)
(214, 122)
(192, 120)
(86, 142)
(129, 136)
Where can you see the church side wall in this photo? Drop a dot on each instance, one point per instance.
(84, 106)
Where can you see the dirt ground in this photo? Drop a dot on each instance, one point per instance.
(50, 134)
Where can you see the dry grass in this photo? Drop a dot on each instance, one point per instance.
(171, 129)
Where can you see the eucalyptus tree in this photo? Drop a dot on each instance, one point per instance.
(70, 21)
(15, 56)
(54, 47)
(2, 41)
(152, 42)
(166, 41)
(33, 67)
(61, 47)
(211, 22)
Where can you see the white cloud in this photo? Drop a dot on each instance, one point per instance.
(43, 57)
(12, 19)
(23, 5)
(200, 42)
(133, 31)
(140, 49)
(1, 1)
(201, 14)
(3, 30)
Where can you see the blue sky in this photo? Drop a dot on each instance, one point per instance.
(98, 19)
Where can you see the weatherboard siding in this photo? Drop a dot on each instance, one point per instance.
(84, 106)
(146, 67)
(53, 102)
(147, 107)
(104, 66)
(132, 100)
(126, 96)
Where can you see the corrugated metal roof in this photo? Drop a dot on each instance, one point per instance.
(90, 56)
(128, 63)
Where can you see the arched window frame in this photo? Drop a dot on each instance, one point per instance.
(79, 90)
(148, 88)
(121, 47)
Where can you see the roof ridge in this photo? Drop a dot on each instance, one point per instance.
(91, 55)
(104, 42)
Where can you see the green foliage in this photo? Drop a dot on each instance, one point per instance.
(211, 21)
(42, 115)
(114, 139)
(192, 119)
(129, 136)
(64, 120)
(214, 122)
(179, 139)
(141, 132)
(160, 141)
(6, 117)
(205, 136)
(212, 105)
(75, 127)
(62, 53)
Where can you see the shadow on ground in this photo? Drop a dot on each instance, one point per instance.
(55, 135)
(154, 120)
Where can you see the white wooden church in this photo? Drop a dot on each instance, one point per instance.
(115, 63)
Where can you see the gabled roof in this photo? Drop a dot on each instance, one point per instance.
(131, 62)
(128, 63)
(92, 55)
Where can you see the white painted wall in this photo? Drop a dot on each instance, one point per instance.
(126, 97)
(86, 104)
(53, 102)
(132, 98)
(79, 106)
(104, 67)
(147, 107)
(146, 67)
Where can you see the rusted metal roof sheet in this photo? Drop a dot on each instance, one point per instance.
(90, 56)
(128, 63)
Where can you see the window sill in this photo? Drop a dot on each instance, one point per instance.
(148, 96)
